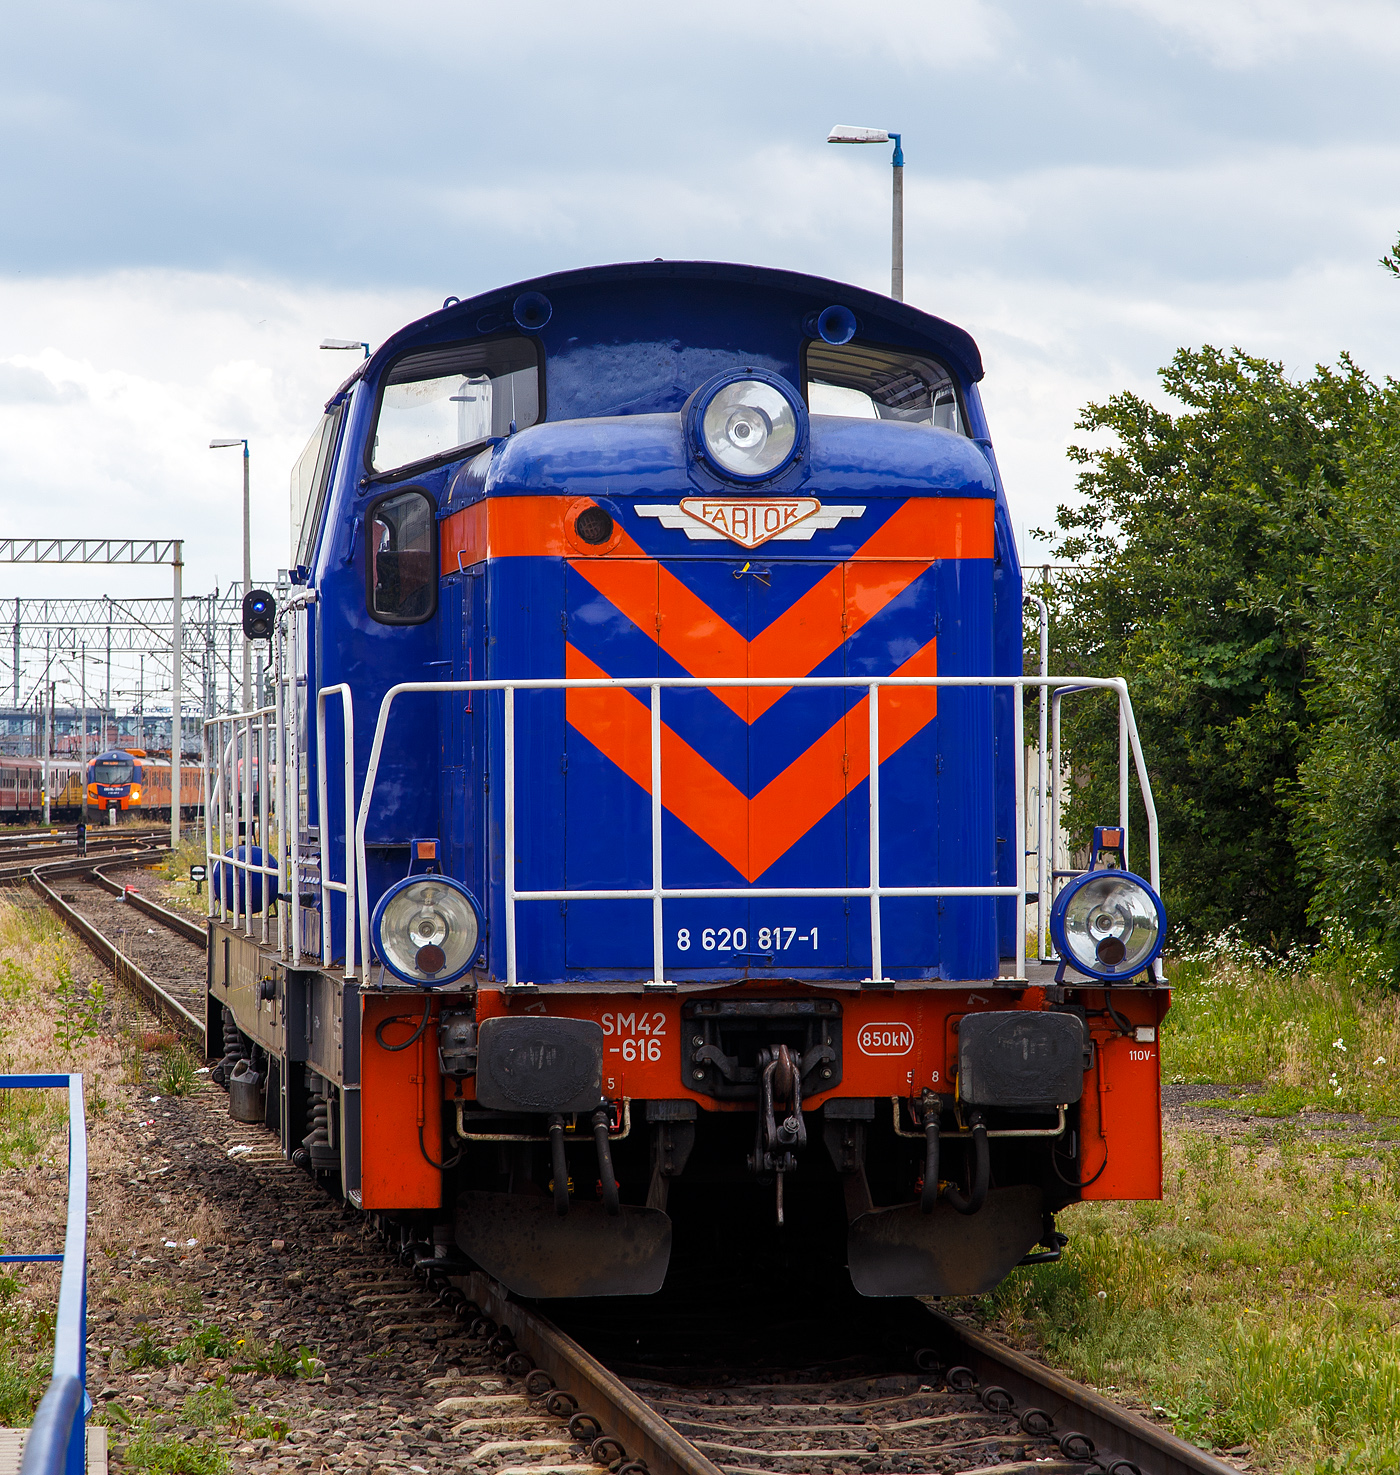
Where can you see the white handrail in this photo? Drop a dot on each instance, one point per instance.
(656, 892)
(347, 706)
(233, 799)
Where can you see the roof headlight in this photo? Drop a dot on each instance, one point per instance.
(426, 930)
(1108, 924)
(747, 425)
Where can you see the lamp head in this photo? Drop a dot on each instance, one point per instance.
(846, 133)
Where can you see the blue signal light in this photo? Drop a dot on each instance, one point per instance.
(426, 930)
(1108, 924)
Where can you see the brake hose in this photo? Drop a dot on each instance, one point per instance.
(398, 1019)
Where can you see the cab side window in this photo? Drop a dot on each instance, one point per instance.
(401, 558)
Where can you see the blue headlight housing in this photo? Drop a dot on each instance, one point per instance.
(426, 930)
(746, 425)
(1108, 924)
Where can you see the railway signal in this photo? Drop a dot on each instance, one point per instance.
(259, 614)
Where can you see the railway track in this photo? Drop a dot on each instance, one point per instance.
(686, 1383)
(18, 862)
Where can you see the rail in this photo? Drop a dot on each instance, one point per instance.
(57, 1442)
(658, 893)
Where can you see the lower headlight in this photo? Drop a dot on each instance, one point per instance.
(426, 930)
(1108, 924)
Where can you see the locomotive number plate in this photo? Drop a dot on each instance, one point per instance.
(750, 521)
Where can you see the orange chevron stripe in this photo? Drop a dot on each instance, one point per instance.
(618, 724)
(813, 628)
(751, 834)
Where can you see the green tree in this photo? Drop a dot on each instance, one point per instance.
(1196, 532)
(1347, 827)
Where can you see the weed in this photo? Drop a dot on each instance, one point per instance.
(149, 1450)
(15, 981)
(176, 1075)
(271, 1359)
(216, 1408)
(204, 1339)
(147, 1351)
(211, 1408)
(79, 1016)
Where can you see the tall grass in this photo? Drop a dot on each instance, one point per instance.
(1319, 1030)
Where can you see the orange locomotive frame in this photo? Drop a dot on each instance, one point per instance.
(896, 1044)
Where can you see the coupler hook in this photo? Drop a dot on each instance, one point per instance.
(782, 1078)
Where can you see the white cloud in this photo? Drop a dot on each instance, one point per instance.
(112, 386)
(1252, 33)
(937, 34)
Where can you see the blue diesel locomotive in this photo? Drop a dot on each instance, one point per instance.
(651, 803)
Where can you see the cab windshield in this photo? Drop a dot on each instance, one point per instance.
(113, 771)
(872, 382)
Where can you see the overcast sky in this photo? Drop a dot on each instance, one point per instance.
(194, 195)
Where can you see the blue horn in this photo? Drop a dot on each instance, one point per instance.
(834, 324)
(532, 310)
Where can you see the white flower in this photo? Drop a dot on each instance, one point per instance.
(1338, 1091)
(1339, 1045)
(1379, 1060)
(1103, 1295)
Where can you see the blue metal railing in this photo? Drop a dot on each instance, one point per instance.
(57, 1442)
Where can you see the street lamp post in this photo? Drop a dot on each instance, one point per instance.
(845, 133)
(218, 445)
(345, 343)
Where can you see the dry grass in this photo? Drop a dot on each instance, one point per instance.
(37, 956)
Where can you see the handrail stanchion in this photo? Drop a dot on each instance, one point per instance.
(1018, 744)
(877, 960)
(658, 938)
(225, 787)
(1044, 885)
(293, 818)
(280, 703)
(1149, 804)
(246, 902)
(208, 822)
(347, 711)
(263, 780)
(509, 860)
(1123, 776)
